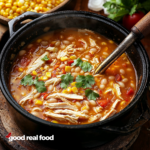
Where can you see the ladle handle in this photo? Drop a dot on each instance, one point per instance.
(142, 28)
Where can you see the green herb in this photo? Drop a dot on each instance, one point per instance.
(84, 81)
(40, 85)
(91, 95)
(77, 62)
(118, 8)
(45, 58)
(86, 66)
(27, 80)
(66, 80)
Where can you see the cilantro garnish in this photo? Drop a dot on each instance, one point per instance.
(85, 66)
(91, 95)
(84, 81)
(40, 85)
(77, 62)
(66, 80)
(45, 58)
(118, 8)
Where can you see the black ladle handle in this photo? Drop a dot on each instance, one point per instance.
(16, 22)
(141, 29)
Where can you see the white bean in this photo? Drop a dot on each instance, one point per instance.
(74, 74)
(121, 84)
(50, 88)
(22, 52)
(62, 46)
(44, 43)
(132, 85)
(87, 56)
(72, 70)
(105, 53)
(85, 111)
(70, 38)
(87, 73)
(96, 87)
(57, 43)
(124, 80)
(78, 104)
(53, 55)
(85, 102)
(35, 113)
(111, 77)
(30, 45)
(66, 42)
(129, 69)
(93, 103)
(93, 50)
(82, 72)
(52, 100)
(62, 66)
(77, 69)
(122, 71)
(46, 67)
(104, 81)
(102, 86)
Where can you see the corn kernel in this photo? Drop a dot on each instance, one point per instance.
(69, 89)
(64, 91)
(54, 121)
(48, 74)
(34, 73)
(74, 90)
(67, 68)
(81, 91)
(44, 78)
(123, 103)
(110, 41)
(8, 5)
(73, 57)
(73, 83)
(64, 58)
(38, 102)
(41, 68)
(84, 108)
(39, 40)
(103, 43)
(20, 69)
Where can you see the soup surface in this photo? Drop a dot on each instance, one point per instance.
(53, 78)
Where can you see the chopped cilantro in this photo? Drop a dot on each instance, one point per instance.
(84, 81)
(91, 95)
(40, 85)
(27, 80)
(45, 58)
(66, 80)
(86, 66)
(77, 62)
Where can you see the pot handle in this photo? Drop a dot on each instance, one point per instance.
(16, 22)
(141, 120)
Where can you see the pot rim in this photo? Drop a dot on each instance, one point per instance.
(83, 14)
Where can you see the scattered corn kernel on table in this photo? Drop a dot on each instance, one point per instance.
(7, 125)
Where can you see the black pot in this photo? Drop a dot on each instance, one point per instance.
(88, 135)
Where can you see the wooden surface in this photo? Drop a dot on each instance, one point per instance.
(143, 141)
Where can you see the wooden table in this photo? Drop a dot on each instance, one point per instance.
(143, 141)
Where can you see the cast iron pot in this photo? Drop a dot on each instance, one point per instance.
(88, 135)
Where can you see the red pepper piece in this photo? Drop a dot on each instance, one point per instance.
(118, 77)
(55, 67)
(70, 62)
(102, 103)
(91, 55)
(130, 91)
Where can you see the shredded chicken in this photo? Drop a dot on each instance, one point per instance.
(117, 90)
(54, 62)
(115, 104)
(109, 90)
(94, 118)
(74, 113)
(36, 109)
(29, 96)
(68, 96)
(71, 119)
(53, 81)
(51, 49)
(109, 114)
(84, 42)
(97, 109)
(35, 65)
(95, 60)
(62, 105)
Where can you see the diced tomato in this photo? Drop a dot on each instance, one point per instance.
(82, 42)
(44, 95)
(53, 75)
(25, 61)
(63, 71)
(49, 61)
(59, 100)
(55, 67)
(52, 44)
(130, 91)
(15, 68)
(118, 77)
(100, 92)
(91, 55)
(30, 101)
(103, 103)
(33, 77)
(124, 65)
(70, 62)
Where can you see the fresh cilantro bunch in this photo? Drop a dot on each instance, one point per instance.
(118, 8)
(28, 80)
(66, 80)
(84, 81)
(85, 66)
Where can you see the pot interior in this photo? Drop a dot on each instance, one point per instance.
(81, 20)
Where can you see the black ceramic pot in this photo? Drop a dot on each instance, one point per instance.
(88, 135)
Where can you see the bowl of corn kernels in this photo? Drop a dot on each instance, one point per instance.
(13, 8)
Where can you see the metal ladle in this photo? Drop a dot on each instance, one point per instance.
(138, 31)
